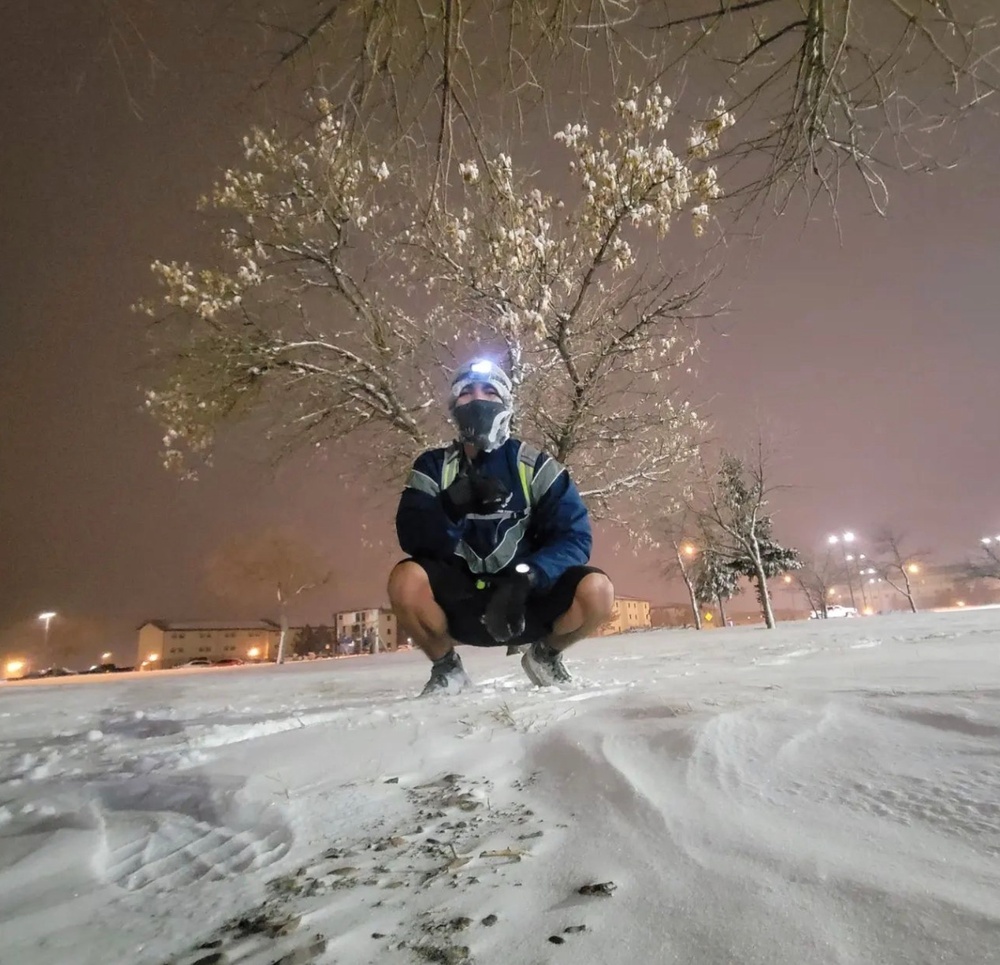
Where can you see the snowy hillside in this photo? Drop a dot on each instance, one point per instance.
(827, 793)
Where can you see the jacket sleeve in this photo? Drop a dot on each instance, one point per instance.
(422, 526)
(561, 523)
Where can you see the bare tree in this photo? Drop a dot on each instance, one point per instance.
(815, 578)
(248, 568)
(680, 562)
(343, 285)
(827, 87)
(895, 564)
(845, 85)
(988, 567)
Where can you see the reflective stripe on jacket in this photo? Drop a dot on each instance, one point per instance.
(543, 521)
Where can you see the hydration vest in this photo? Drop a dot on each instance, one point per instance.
(527, 456)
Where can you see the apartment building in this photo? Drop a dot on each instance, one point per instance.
(357, 624)
(166, 643)
(628, 613)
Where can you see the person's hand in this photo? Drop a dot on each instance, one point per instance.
(505, 612)
(473, 492)
(460, 498)
(490, 491)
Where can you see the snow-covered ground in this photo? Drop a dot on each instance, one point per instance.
(826, 793)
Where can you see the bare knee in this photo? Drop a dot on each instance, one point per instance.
(595, 595)
(409, 588)
(418, 613)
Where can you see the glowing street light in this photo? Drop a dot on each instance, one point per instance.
(14, 667)
(913, 568)
(47, 618)
(688, 550)
(253, 653)
(106, 655)
(847, 537)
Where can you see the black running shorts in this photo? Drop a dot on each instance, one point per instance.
(462, 597)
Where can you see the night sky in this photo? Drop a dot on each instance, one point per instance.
(871, 364)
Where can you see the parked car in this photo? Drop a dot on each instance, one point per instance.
(835, 611)
(229, 662)
(49, 672)
(104, 668)
(198, 662)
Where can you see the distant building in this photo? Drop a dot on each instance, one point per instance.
(628, 613)
(357, 624)
(166, 643)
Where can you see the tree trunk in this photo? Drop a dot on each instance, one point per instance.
(283, 634)
(722, 611)
(687, 582)
(907, 592)
(690, 586)
(763, 596)
(811, 594)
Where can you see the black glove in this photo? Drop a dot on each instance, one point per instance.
(460, 498)
(504, 616)
(472, 492)
(490, 491)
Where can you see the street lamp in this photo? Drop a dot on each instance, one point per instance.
(844, 539)
(106, 655)
(46, 618)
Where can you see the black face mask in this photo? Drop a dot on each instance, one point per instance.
(482, 423)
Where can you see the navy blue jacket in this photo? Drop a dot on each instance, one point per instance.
(552, 533)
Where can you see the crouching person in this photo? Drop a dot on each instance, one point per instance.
(498, 541)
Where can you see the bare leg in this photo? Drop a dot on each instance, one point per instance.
(417, 611)
(592, 604)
